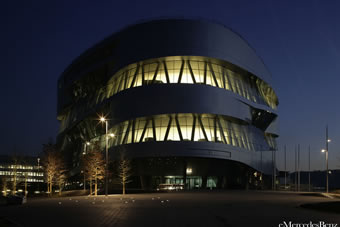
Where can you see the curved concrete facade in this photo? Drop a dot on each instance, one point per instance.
(185, 89)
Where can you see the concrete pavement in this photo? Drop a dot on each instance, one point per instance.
(201, 208)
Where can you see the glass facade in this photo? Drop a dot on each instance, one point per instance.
(192, 182)
(188, 127)
(271, 140)
(189, 72)
(172, 70)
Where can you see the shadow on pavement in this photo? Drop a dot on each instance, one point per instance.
(331, 207)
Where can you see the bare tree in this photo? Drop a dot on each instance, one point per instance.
(60, 175)
(87, 169)
(14, 168)
(4, 184)
(50, 165)
(124, 171)
(26, 176)
(94, 167)
(54, 167)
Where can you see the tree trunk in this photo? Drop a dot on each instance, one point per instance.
(95, 186)
(48, 187)
(5, 191)
(4, 187)
(90, 185)
(59, 189)
(51, 187)
(26, 185)
(14, 184)
(123, 188)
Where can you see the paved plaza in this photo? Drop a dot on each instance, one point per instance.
(201, 208)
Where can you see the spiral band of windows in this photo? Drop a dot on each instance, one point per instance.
(173, 70)
(190, 127)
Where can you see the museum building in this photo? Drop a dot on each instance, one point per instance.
(188, 101)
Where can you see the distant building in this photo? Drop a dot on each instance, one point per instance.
(317, 180)
(189, 101)
(23, 168)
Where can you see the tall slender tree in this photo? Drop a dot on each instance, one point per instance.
(26, 178)
(124, 171)
(94, 167)
(14, 170)
(4, 185)
(60, 175)
(54, 167)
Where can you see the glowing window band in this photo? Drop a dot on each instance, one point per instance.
(190, 127)
(194, 70)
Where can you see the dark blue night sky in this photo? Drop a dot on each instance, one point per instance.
(299, 42)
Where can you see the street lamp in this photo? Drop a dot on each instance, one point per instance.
(38, 174)
(102, 119)
(85, 147)
(326, 151)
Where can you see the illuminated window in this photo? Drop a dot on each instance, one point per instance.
(190, 127)
(193, 70)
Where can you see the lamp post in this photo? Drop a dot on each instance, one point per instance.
(275, 169)
(285, 167)
(326, 151)
(298, 166)
(261, 177)
(84, 153)
(295, 174)
(309, 168)
(83, 172)
(102, 119)
(38, 174)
